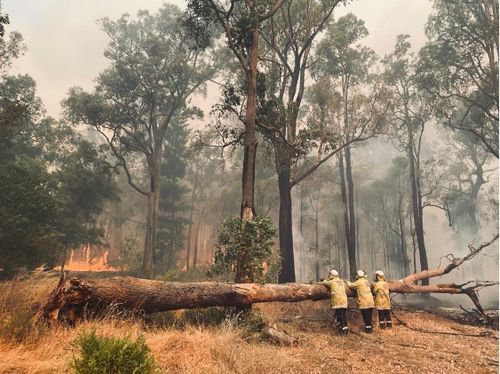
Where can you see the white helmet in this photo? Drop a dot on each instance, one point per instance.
(334, 272)
(360, 273)
(380, 273)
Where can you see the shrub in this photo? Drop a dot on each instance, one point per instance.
(108, 355)
(243, 247)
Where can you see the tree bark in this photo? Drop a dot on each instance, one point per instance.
(316, 243)
(150, 240)
(351, 250)
(70, 303)
(287, 273)
(417, 204)
(197, 238)
(350, 206)
(402, 236)
(250, 139)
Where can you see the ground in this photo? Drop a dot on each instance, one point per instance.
(200, 344)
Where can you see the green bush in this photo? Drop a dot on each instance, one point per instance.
(242, 247)
(108, 355)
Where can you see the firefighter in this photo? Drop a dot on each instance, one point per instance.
(338, 299)
(382, 300)
(364, 298)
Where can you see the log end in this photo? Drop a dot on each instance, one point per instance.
(279, 337)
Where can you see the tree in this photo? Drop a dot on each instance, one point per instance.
(241, 22)
(4, 20)
(411, 108)
(242, 252)
(84, 185)
(172, 205)
(348, 64)
(387, 203)
(20, 109)
(154, 70)
(53, 185)
(463, 177)
(289, 39)
(11, 47)
(459, 65)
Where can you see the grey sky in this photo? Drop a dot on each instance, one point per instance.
(65, 45)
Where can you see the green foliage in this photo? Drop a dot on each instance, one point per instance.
(28, 211)
(153, 70)
(459, 65)
(339, 54)
(242, 248)
(4, 20)
(53, 184)
(11, 47)
(130, 259)
(108, 355)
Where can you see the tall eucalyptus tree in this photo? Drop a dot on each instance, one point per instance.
(154, 70)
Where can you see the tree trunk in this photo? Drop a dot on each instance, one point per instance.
(350, 194)
(344, 187)
(196, 240)
(150, 240)
(150, 235)
(170, 262)
(250, 140)
(191, 211)
(416, 199)
(287, 273)
(69, 303)
(474, 193)
(316, 242)
(402, 237)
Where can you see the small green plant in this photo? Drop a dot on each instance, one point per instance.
(243, 247)
(109, 355)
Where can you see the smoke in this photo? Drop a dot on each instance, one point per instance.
(372, 161)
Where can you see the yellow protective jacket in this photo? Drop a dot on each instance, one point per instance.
(337, 289)
(382, 296)
(364, 297)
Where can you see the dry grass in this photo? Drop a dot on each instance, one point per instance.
(226, 348)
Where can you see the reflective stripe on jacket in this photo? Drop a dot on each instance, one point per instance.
(364, 297)
(338, 293)
(382, 296)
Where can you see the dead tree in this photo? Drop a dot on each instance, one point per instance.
(69, 302)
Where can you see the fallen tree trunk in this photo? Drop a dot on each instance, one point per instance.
(69, 302)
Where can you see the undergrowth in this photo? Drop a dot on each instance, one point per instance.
(111, 355)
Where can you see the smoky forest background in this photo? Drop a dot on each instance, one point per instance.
(279, 114)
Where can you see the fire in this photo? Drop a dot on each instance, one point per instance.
(88, 263)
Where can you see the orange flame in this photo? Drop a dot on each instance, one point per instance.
(99, 263)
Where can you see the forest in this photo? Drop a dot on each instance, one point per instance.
(253, 146)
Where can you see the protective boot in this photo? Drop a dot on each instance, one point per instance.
(368, 329)
(344, 331)
(382, 325)
(389, 324)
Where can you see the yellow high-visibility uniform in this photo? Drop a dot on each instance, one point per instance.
(364, 297)
(382, 296)
(338, 293)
